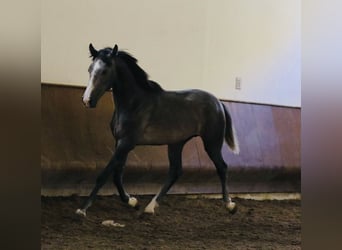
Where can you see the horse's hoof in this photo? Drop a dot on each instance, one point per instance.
(231, 206)
(81, 212)
(133, 202)
(145, 216)
(149, 211)
(150, 207)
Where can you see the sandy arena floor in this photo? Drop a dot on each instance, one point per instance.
(179, 223)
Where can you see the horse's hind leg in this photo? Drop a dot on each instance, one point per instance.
(175, 171)
(214, 152)
(117, 162)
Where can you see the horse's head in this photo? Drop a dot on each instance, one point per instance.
(101, 74)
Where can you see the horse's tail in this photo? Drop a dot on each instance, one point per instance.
(230, 134)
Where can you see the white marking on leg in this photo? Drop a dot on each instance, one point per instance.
(81, 212)
(132, 201)
(231, 206)
(151, 206)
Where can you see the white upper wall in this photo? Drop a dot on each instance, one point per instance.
(182, 44)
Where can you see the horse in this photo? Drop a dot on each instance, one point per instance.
(146, 114)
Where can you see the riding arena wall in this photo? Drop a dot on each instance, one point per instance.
(76, 144)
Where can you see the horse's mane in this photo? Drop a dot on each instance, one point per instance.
(139, 74)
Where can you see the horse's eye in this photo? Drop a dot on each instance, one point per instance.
(104, 72)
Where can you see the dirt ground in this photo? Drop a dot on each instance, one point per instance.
(179, 223)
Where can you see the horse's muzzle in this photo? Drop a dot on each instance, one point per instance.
(89, 103)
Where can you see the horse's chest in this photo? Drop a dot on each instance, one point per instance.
(117, 130)
(122, 129)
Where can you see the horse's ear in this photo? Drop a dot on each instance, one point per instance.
(93, 51)
(115, 50)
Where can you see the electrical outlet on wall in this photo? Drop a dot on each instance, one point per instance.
(238, 83)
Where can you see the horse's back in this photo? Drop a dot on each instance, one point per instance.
(195, 101)
(180, 115)
(188, 104)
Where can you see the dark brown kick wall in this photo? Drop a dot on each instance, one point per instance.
(76, 143)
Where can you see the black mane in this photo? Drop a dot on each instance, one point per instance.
(140, 75)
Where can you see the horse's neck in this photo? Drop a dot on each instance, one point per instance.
(127, 92)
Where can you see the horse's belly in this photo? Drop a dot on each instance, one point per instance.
(161, 136)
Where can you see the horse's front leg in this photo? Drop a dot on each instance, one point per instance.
(117, 179)
(115, 164)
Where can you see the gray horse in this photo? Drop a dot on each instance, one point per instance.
(146, 114)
